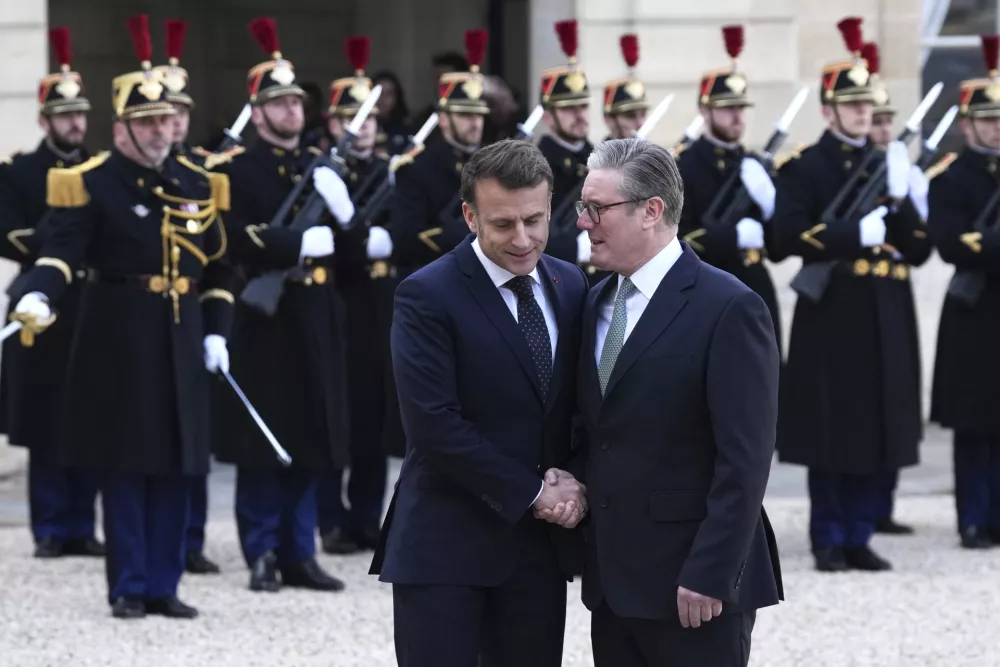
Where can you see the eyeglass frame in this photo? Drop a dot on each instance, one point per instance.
(581, 207)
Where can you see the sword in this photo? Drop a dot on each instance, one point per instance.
(420, 137)
(234, 134)
(913, 123)
(930, 146)
(690, 134)
(283, 456)
(781, 128)
(352, 130)
(655, 117)
(526, 130)
(10, 330)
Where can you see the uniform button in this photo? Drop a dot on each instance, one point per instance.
(605, 503)
(605, 445)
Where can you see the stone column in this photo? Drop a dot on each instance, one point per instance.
(24, 52)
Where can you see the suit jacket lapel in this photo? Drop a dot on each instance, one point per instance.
(667, 302)
(492, 303)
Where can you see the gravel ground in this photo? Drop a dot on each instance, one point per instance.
(939, 607)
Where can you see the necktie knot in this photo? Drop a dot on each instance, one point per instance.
(625, 290)
(521, 286)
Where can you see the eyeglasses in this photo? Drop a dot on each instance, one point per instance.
(594, 210)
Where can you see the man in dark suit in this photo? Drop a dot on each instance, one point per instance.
(678, 386)
(484, 346)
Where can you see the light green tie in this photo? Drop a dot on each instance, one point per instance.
(616, 334)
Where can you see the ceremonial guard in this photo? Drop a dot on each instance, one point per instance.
(625, 103)
(347, 530)
(850, 394)
(60, 499)
(289, 361)
(565, 96)
(426, 212)
(153, 316)
(718, 170)
(175, 80)
(963, 224)
(881, 135)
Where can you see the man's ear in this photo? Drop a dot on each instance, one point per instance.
(470, 217)
(652, 212)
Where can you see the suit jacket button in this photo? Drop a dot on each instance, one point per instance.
(605, 445)
(605, 503)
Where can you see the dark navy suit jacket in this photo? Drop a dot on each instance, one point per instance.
(479, 437)
(679, 448)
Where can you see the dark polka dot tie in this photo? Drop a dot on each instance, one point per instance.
(532, 321)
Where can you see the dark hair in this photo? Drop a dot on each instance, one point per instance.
(452, 59)
(401, 112)
(515, 164)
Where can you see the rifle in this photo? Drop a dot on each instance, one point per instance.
(856, 198)
(263, 293)
(233, 134)
(967, 286)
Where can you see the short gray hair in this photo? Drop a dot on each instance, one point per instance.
(647, 170)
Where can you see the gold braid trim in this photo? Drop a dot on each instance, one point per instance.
(65, 187)
(225, 295)
(690, 239)
(56, 263)
(940, 166)
(14, 236)
(426, 236)
(252, 230)
(220, 190)
(808, 235)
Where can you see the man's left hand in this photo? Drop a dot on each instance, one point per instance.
(695, 608)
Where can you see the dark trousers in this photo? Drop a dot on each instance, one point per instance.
(519, 623)
(977, 480)
(276, 511)
(198, 514)
(635, 642)
(842, 509)
(61, 500)
(365, 493)
(887, 483)
(144, 522)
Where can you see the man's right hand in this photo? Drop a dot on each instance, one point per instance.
(563, 499)
(35, 305)
(316, 242)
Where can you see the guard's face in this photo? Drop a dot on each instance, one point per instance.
(727, 124)
(626, 124)
(181, 123)
(572, 123)
(881, 134)
(852, 119)
(284, 116)
(512, 225)
(366, 135)
(68, 129)
(153, 136)
(462, 128)
(617, 242)
(987, 132)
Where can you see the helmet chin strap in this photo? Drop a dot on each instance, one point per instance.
(151, 162)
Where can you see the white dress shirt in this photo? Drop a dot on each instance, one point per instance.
(646, 279)
(500, 276)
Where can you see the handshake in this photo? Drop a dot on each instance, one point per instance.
(563, 499)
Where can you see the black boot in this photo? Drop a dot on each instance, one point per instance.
(830, 559)
(368, 539)
(171, 607)
(48, 547)
(974, 537)
(339, 543)
(264, 574)
(196, 563)
(87, 546)
(890, 527)
(308, 574)
(129, 608)
(863, 558)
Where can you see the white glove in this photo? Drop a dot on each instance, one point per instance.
(583, 248)
(334, 192)
(379, 243)
(316, 242)
(749, 234)
(919, 188)
(897, 161)
(216, 354)
(873, 228)
(758, 185)
(34, 304)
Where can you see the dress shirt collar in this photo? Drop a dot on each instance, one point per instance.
(499, 275)
(649, 276)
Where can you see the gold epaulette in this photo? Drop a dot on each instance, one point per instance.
(398, 161)
(213, 160)
(781, 160)
(65, 187)
(940, 166)
(218, 182)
